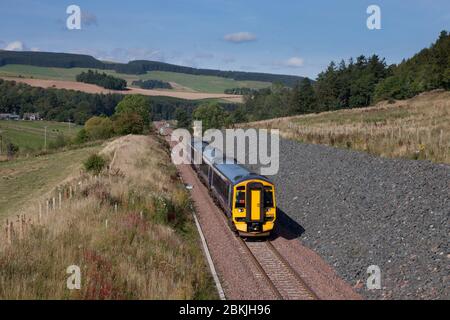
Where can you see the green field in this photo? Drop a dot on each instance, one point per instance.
(24, 179)
(30, 135)
(210, 84)
(207, 84)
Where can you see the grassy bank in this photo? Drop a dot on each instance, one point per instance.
(418, 128)
(129, 230)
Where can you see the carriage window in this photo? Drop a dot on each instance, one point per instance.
(268, 197)
(221, 186)
(240, 199)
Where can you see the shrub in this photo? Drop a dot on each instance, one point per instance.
(59, 142)
(11, 149)
(81, 137)
(128, 123)
(95, 164)
(99, 128)
(135, 104)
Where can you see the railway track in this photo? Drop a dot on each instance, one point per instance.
(284, 281)
(273, 269)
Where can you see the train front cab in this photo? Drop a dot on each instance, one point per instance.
(254, 208)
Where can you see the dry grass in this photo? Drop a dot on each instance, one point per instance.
(418, 128)
(129, 230)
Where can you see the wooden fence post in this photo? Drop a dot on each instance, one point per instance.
(19, 221)
(40, 213)
(8, 232)
(60, 200)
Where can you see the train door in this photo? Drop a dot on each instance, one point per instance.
(255, 205)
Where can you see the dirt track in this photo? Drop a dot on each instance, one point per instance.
(90, 88)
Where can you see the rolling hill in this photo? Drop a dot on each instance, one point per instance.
(138, 67)
(181, 81)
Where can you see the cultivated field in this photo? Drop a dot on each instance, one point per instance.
(204, 83)
(30, 135)
(181, 81)
(129, 230)
(90, 88)
(418, 128)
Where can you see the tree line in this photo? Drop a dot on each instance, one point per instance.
(102, 80)
(240, 91)
(152, 84)
(64, 105)
(355, 83)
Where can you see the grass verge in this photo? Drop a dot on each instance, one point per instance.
(129, 230)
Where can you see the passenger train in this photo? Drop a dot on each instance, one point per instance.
(247, 198)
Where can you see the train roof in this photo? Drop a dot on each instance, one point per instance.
(228, 167)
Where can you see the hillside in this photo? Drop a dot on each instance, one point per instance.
(355, 83)
(30, 135)
(24, 180)
(137, 209)
(181, 82)
(418, 128)
(65, 60)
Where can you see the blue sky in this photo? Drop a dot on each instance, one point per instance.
(289, 36)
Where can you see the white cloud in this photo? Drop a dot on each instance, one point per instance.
(294, 62)
(16, 46)
(19, 46)
(240, 37)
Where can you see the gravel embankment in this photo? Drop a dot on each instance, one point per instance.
(359, 210)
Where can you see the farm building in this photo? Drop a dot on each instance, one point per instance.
(31, 116)
(9, 116)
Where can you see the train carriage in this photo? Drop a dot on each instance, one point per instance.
(247, 198)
